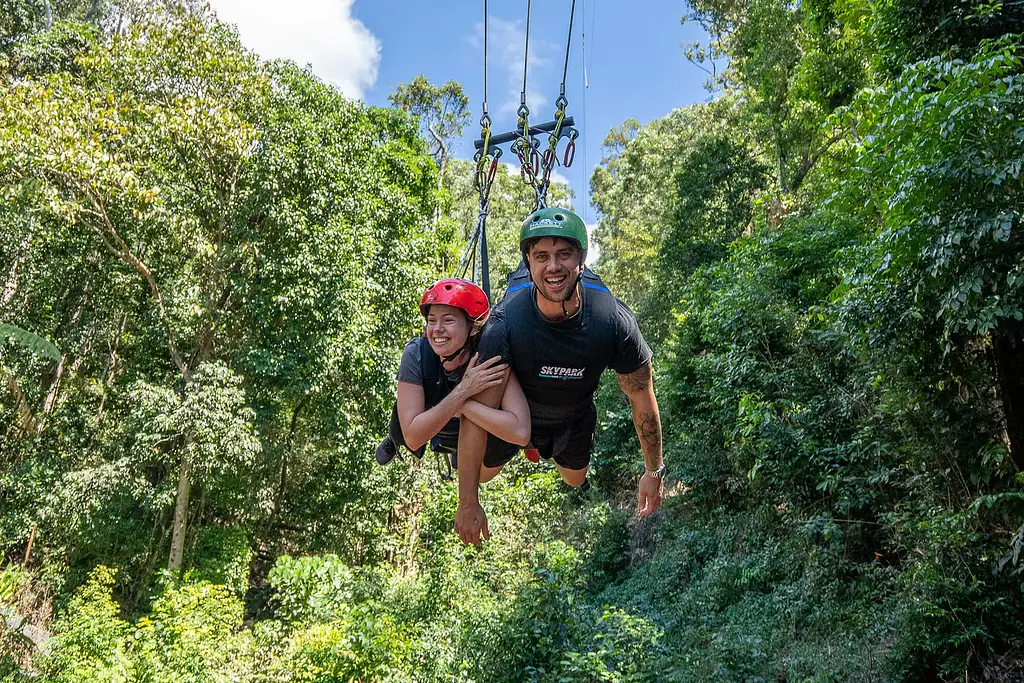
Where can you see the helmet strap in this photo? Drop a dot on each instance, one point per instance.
(573, 290)
(470, 338)
(452, 357)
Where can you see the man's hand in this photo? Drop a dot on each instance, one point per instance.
(471, 523)
(649, 494)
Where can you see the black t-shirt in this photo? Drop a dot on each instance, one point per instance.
(409, 368)
(559, 364)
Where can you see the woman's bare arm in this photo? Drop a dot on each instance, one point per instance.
(511, 423)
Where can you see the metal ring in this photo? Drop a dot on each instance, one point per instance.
(570, 154)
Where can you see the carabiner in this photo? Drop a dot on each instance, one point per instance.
(526, 173)
(549, 159)
(535, 162)
(570, 153)
(493, 171)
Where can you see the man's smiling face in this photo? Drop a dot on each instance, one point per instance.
(554, 265)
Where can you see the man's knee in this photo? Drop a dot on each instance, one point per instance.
(573, 478)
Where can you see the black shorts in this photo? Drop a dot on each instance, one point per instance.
(568, 444)
(498, 452)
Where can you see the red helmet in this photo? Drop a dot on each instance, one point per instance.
(458, 293)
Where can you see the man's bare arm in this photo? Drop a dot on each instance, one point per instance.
(639, 389)
(470, 519)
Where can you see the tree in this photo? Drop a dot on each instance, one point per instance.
(676, 193)
(785, 60)
(209, 188)
(442, 110)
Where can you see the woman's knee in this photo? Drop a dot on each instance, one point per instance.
(488, 473)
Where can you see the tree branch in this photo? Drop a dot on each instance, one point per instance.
(809, 164)
(120, 249)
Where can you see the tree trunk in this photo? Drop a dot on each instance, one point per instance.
(110, 370)
(442, 163)
(178, 529)
(1008, 351)
(51, 395)
(26, 420)
(11, 283)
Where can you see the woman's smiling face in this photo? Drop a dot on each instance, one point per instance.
(447, 329)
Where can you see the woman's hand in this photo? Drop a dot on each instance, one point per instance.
(481, 376)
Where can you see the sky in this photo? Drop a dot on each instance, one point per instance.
(629, 52)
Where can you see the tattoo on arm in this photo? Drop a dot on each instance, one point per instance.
(636, 381)
(649, 429)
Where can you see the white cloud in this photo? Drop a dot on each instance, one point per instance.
(505, 43)
(322, 33)
(594, 252)
(557, 177)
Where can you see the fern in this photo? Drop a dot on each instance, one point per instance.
(32, 342)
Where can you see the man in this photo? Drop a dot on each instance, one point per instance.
(558, 334)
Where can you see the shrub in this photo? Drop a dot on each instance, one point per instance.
(90, 642)
(222, 557)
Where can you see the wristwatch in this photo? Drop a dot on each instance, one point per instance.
(657, 474)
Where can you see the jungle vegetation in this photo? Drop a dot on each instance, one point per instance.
(210, 264)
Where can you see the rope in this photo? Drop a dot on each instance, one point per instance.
(551, 155)
(568, 42)
(485, 58)
(526, 56)
(586, 87)
(486, 168)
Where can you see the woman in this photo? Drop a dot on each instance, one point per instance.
(439, 375)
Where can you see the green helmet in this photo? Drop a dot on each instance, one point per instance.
(554, 222)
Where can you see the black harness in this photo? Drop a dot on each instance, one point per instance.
(519, 280)
(436, 386)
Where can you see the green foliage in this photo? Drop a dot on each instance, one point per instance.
(551, 633)
(906, 31)
(91, 639)
(18, 18)
(827, 366)
(825, 257)
(189, 635)
(12, 577)
(32, 342)
(947, 196)
(222, 557)
(221, 288)
(48, 51)
(311, 589)
(442, 110)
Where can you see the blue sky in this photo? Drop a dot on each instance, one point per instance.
(367, 47)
